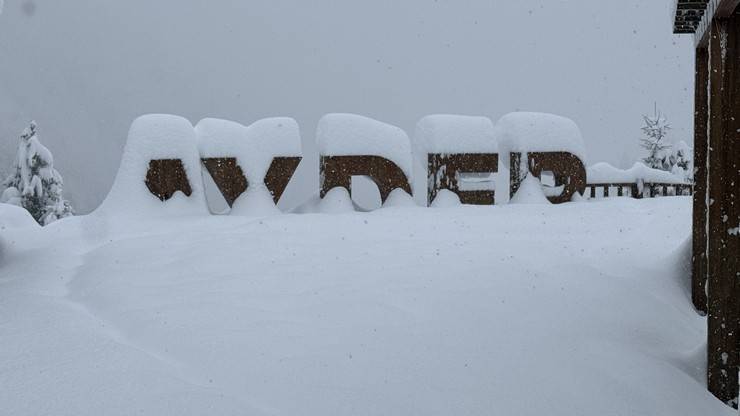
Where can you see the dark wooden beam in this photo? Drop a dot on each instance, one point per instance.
(726, 8)
(716, 9)
(701, 144)
(724, 186)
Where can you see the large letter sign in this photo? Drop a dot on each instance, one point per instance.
(262, 158)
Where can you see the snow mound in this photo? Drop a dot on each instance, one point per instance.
(530, 192)
(399, 198)
(12, 196)
(255, 202)
(253, 146)
(447, 133)
(680, 261)
(603, 172)
(309, 206)
(12, 216)
(151, 137)
(336, 201)
(538, 132)
(446, 199)
(354, 135)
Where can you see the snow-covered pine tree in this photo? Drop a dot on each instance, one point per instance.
(35, 185)
(682, 161)
(655, 131)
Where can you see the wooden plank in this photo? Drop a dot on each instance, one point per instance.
(716, 9)
(726, 8)
(701, 143)
(722, 285)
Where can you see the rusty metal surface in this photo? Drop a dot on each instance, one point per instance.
(167, 176)
(337, 171)
(279, 174)
(567, 168)
(228, 176)
(443, 172)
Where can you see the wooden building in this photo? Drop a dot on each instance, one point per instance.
(715, 25)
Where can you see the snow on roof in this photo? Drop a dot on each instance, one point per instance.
(354, 135)
(538, 132)
(156, 136)
(253, 146)
(447, 133)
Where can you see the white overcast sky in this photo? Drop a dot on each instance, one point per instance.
(84, 69)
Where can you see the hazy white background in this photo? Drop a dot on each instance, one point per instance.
(84, 69)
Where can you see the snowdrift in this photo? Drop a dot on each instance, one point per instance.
(516, 310)
(12, 216)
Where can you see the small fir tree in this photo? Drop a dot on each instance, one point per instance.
(655, 130)
(35, 185)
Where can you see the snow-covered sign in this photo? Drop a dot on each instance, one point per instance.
(539, 143)
(352, 145)
(458, 154)
(160, 172)
(251, 165)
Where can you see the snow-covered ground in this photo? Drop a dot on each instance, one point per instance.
(575, 309)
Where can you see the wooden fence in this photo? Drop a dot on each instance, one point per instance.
(641, 190)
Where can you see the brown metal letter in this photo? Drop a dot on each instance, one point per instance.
(231, 181)
(338, 171)
(167, 176)
(228, 176)
(279, 174)
(567, 168)
(443, 172)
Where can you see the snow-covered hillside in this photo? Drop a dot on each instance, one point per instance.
(575, 309)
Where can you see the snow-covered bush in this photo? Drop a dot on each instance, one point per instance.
(35, 185)
(681, 160)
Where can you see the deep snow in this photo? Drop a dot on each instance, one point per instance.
(572, 309)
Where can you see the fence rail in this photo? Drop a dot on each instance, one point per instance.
(641, 190)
